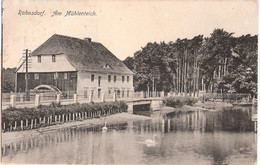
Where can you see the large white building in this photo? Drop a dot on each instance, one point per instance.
(75, 66)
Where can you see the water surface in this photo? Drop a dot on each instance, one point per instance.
(214, 137)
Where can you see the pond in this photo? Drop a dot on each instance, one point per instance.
(225, 136)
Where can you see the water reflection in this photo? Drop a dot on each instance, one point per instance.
(212, 137)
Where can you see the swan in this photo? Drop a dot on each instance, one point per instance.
(105, 127)
(150, 142)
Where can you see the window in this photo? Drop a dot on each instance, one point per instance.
(55, 76)
(39, 58)
(127, 93)
(99, 81)
(92, 92)
(36, 76)
(109, 78)
(92, 77)
(26, 77)
(123, 93)
(127, 78)
(65, 76)
(107, 66)
(114, 78)
(73, 75)
(123, 78)
(53, 58)
(99, 93)
(109, 91)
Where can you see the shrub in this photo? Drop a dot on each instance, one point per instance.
(191, 100)
(179, 101)
(16, 114)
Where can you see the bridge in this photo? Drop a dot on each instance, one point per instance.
(145, 104)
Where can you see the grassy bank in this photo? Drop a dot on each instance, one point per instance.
(14, 119)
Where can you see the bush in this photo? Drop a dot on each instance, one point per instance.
(179, 101)
(191, 101)
(16, 114)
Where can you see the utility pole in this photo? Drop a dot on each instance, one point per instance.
(26, 75)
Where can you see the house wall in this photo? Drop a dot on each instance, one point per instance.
(80, 83)
(85, 85)
(46, 64)
(68, 84)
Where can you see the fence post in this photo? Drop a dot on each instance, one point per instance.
(114, 97)
(162, 94)
(13, 100)
(21, 97)
(75, 98)
(26, 123)
(37, 100)
(21, 124)
(31, 123)
(35, 122)
(15, 124)
(58, 98)
(253, 100)
(103, 99)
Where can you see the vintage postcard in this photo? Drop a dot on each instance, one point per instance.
(129, 82)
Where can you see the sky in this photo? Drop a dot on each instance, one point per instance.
(122, 26)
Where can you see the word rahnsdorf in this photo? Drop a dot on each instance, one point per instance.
(34, 13)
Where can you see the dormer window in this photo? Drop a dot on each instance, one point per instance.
(106, 66)
(53, 58)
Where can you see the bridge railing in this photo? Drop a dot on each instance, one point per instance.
(36, 99)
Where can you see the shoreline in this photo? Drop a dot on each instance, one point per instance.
(12, 137)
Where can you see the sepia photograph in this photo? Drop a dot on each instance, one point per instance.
(129, 82)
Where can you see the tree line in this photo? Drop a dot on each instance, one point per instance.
(219, 63)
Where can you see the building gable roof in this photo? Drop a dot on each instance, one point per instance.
(82, 54)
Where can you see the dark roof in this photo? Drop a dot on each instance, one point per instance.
(82, 54)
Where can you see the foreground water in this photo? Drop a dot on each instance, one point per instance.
(213, 137)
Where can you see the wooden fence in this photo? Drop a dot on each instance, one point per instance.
(19, 125)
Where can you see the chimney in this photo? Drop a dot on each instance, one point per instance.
(87, 39)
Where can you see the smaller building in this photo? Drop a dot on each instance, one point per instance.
(75, 65)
